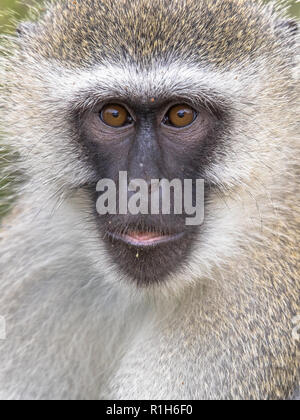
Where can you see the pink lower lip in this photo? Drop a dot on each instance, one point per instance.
(145, 239)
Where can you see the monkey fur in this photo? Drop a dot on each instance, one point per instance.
(220, 326)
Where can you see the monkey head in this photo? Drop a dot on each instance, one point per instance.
(160, 90)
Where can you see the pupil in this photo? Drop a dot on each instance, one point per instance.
(115, 114)
(181, 114)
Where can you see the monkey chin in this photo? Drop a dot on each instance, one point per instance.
(148, 253)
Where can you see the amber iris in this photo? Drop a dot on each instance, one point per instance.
(115, 115)
(181, 116)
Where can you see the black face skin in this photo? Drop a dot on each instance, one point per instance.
(148, 146)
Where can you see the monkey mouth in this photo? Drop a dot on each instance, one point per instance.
(148, 250)
(145, 239)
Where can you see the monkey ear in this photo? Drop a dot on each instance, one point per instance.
(25, 28)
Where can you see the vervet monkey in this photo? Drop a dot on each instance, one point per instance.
(143, 306)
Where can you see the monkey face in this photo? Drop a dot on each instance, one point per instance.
(165, 98)
(149, 140)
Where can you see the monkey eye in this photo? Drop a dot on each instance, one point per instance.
(180, 116)
(115, 116)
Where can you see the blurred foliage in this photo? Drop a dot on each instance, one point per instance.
(17, 7)
(13, 10)
(295, 9)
